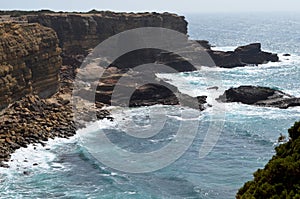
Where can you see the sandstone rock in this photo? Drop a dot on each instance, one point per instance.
(29, 61)
(78, 33)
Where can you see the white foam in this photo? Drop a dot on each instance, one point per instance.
(269, 112)
(36, 157)
(130, 192)
(224, 48)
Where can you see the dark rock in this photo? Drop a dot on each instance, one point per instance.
(65, 102)
(128, 95)
(26, 173)
(213, 88)
(205, 44)
(261, 96)
(4, 165)
(246, 94)
(244, 55)
(286, 55)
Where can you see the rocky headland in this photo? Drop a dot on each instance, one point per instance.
(37, 87)
(39, 60)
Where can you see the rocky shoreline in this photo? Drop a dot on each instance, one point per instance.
(39, 62)
(32, 120)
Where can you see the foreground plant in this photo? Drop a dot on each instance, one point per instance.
(281, 176)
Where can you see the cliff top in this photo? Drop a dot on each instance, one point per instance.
(18, 13)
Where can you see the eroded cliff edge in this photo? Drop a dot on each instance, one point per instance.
(29, 61)
(79, 33)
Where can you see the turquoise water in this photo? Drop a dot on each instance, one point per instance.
(66, 169)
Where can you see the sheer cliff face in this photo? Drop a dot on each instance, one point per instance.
(79, 33)
(29, 61)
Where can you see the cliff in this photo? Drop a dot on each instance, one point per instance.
(29, 61)
(280, 177)
(78, 33)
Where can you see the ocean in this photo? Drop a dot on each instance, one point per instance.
(246, 139)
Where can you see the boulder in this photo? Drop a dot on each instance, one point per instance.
(252, 54)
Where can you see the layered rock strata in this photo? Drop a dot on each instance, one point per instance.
(29, 61)
(127, 88)
(79, 33)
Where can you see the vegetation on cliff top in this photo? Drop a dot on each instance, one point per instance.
(281, 176)
(19, 13)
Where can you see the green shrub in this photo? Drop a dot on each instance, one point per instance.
(294, 131)
(281, 176)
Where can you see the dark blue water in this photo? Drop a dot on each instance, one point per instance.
(66, 169)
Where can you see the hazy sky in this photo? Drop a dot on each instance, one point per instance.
(179, 6)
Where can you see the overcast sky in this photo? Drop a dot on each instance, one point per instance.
(179, 6)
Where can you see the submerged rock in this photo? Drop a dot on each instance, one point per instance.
(261, 96)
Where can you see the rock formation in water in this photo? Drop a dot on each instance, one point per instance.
(119, 88)
(244, 55)
(261, 96)
(29, 61)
